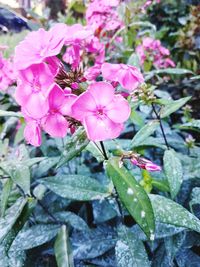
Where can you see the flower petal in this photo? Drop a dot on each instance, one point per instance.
(102, 92)
(66, 108)
(22, 93)
(109, 71)
(101, 129)
(36, 106)
(118, 110)
(55, 125)
(32, 133)
(56, 97)
(83, 105)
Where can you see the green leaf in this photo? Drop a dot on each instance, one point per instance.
(34, 236)
(67, 217)
(130, 251)
(161, 185)
(44, 166)
(195, 77)
(32, 161)
(195, 197)
(173, 106)
(172, 71)
(173, 170)
(168, 211)
(152, 142)
(19, 173)
(92, 148)
(93, 243)
(137, 118)
(192, 125)
(11, 216)
(144, 132)
(4, 113)
(77, 187)
(134, 60)
(62, 249)
(132, 195)
(5, 195)
(74, 146)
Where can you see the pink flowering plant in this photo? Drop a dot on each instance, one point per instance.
(98, 160)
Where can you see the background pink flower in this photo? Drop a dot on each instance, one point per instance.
(128, 76)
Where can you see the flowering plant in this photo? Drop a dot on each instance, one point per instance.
(106, 163)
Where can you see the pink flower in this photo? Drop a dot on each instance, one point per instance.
(7, 74)
(169, 63)
(72, 56)
(153, 51)
(32, 130)
(91, 73)
(128, 76)
(54, 65)
(77, 33)
(54, 123)
(101, 111)
(39, 45)
(145, 164)
(101, 14)
(32, 133)
(33, 88)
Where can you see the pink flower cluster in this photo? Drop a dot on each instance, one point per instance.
(7, 75)
(153, 51)
(56, 95)
(102, 15)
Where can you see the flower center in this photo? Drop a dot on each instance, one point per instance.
(36, 86)
(100, 112)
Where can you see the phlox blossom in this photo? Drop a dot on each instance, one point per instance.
(102, 14)
(152, 50)
(38, 45)
(128, 76)
(101, 111)
(7, 74)
(55, 123)
(72, 56)
(32, 90)
(32, 133)
(91, 73)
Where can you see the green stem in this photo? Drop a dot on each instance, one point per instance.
(161, 126)
(116, 194)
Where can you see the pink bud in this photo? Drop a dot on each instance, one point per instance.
(152, 167)
(72, 129)
(145, 164)
(74, 85)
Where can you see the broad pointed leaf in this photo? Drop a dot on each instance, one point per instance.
(173, 106)
(34, 236)
(173, 170)
(168, 211)
(130, 251)
(74, 146)
(11, 216)
(144, 132)
(77, 187)
(132, 195)
(62, 249)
